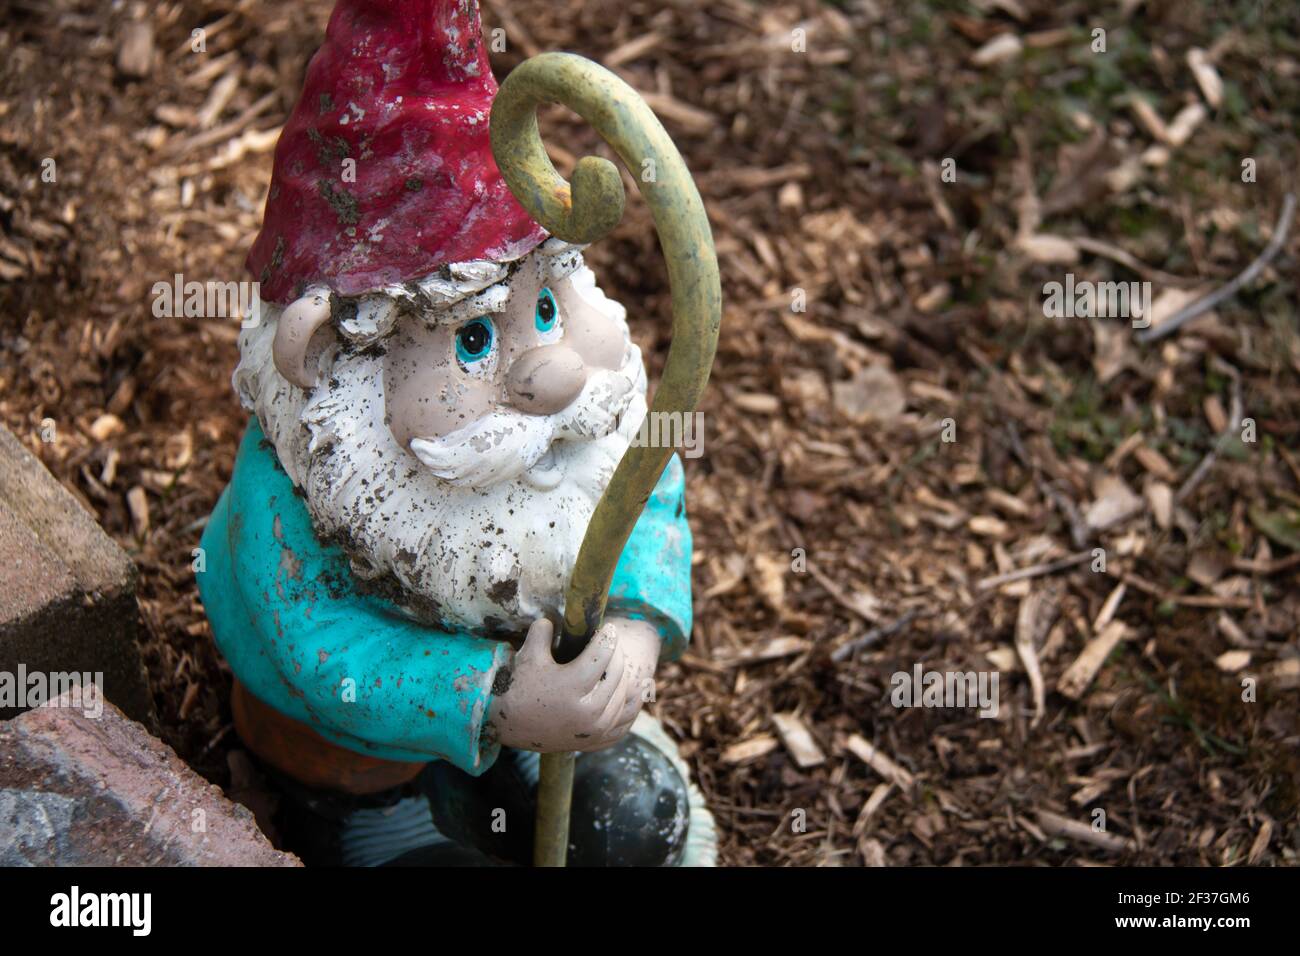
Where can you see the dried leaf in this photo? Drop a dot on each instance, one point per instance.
(1114, 503)
(1207, 77)
(874, 394)
(1281, 527)
(1041, 247)
(1003, 47)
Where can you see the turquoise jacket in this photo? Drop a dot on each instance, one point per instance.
(286, 612)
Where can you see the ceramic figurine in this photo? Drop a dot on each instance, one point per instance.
(440, 393)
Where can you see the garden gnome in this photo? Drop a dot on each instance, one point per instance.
(440, 394)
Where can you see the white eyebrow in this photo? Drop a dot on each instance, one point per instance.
(491, 299)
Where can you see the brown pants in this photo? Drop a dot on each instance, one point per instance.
(297, 751)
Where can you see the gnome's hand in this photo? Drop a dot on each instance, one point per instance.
(587, 704)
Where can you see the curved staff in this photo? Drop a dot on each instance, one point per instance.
(582, 213)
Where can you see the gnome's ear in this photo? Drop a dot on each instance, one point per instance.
(299, 338)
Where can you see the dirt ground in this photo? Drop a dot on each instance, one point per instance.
(893, 421)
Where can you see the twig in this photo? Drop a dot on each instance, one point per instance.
(1109, 607)
(845, 651)
(1208, 302)
(1266, 567)
(1056, 825)
(1187, 600)
(1078, 527)
(225, 131)
(865, 751)
(1234, 422)
(1037, 612)
(1210, 600)
(1200, 472)
(870, 806)
(1033, 571)
(1129, 261)
(1290, 462)
(1079, 675)
(220, 736)
(843, 600)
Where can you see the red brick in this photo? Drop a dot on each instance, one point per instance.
(83, 791)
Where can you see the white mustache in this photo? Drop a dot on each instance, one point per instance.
(505, 443)
(497, 447)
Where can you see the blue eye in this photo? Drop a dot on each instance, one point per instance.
(547, 311)
(474, 340)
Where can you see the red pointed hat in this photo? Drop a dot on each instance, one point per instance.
(403, 88)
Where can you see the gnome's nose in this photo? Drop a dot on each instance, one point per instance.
(545, 380)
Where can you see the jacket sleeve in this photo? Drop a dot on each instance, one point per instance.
(652, 580)
(285, 613)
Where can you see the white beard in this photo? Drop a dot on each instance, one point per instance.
(480, 532)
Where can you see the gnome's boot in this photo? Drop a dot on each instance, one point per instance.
(632, 806)
(389, 828)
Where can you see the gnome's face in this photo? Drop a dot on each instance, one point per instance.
(479, 398)
(454, 435)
